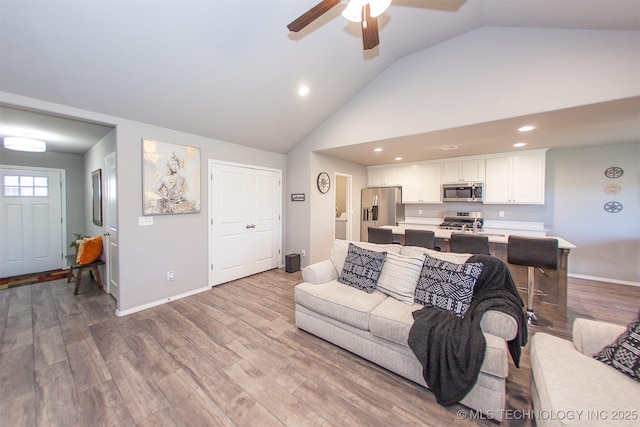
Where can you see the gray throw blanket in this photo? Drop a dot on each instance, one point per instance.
(451, 349)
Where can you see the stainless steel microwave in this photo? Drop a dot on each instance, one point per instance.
(462, 192)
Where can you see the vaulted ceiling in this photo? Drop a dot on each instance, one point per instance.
(230, 69)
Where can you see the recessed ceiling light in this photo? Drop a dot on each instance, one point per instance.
(303, 90)
(526, 128)
(519, 144)
(398, 158)
(449, 147)
(377, 150)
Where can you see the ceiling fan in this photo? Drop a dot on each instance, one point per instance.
(364, 11)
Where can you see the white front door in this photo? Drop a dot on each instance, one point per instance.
(111, 221)
(245, 211)
(32, 220)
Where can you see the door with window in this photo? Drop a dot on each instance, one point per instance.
(31, 220)
(245, 236)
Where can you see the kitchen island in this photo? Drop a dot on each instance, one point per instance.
(553, 283)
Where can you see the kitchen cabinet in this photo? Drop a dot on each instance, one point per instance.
(463, 171)
(515, 179)
(384, 176)
(422, 183)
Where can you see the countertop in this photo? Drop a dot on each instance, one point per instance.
(493, 237)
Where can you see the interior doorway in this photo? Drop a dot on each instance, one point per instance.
(343, 207)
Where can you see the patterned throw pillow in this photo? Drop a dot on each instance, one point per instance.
(362, 268)
(624, 353)
(447, 285)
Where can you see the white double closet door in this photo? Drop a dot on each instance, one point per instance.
(245, 221)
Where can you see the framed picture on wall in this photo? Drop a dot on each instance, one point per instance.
(170, 178)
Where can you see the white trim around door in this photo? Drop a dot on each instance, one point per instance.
(245, 220)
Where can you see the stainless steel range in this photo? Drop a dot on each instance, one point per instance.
(462, 221)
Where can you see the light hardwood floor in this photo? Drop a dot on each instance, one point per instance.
(229, 356)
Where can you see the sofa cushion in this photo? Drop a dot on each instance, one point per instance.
(392, 320)
(339, 302)
(447, 285)
(339, 250)
(567, 379)
(399, 277)
(362, 268)
(624, 353)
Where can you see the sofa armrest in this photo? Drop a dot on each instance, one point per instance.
(591, 336)
(499, 324)
(320, 272)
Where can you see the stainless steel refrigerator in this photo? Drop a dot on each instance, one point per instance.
(380, 206)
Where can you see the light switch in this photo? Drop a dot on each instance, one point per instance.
(145, 220)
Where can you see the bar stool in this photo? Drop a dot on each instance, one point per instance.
(379, 235)
(469, 244)
(422, 238)
(541, 253)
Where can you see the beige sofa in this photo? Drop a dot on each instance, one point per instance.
(570, 387)
(376, 326)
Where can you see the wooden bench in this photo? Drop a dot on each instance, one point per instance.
(93, 267)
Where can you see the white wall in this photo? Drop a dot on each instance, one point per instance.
(608, 244)
(486, 74)
(94, 159)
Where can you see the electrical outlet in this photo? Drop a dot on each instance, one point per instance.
(419, 211)
(170, 276)
(303, 253)
(501, 214)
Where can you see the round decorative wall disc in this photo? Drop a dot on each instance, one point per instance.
(612, 189)
(613, 172)
(613, 207)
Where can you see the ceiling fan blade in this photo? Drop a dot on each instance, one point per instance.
(311, 15)
(369, 29)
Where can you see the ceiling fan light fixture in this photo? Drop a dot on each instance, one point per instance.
(353, 11)
(378, 7)
(24, 144)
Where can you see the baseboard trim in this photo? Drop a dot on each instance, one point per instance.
(604, 279)
(121, 313)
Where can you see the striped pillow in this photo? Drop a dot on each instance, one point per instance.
(399, 277)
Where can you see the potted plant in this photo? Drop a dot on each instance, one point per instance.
(76, 240)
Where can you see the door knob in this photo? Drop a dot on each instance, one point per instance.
(107, 234)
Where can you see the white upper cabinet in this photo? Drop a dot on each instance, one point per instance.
(422, 183)
(463, 171)
(515, 179)
(385, 176)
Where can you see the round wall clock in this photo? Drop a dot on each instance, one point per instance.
(324, 183)
(613, 172)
